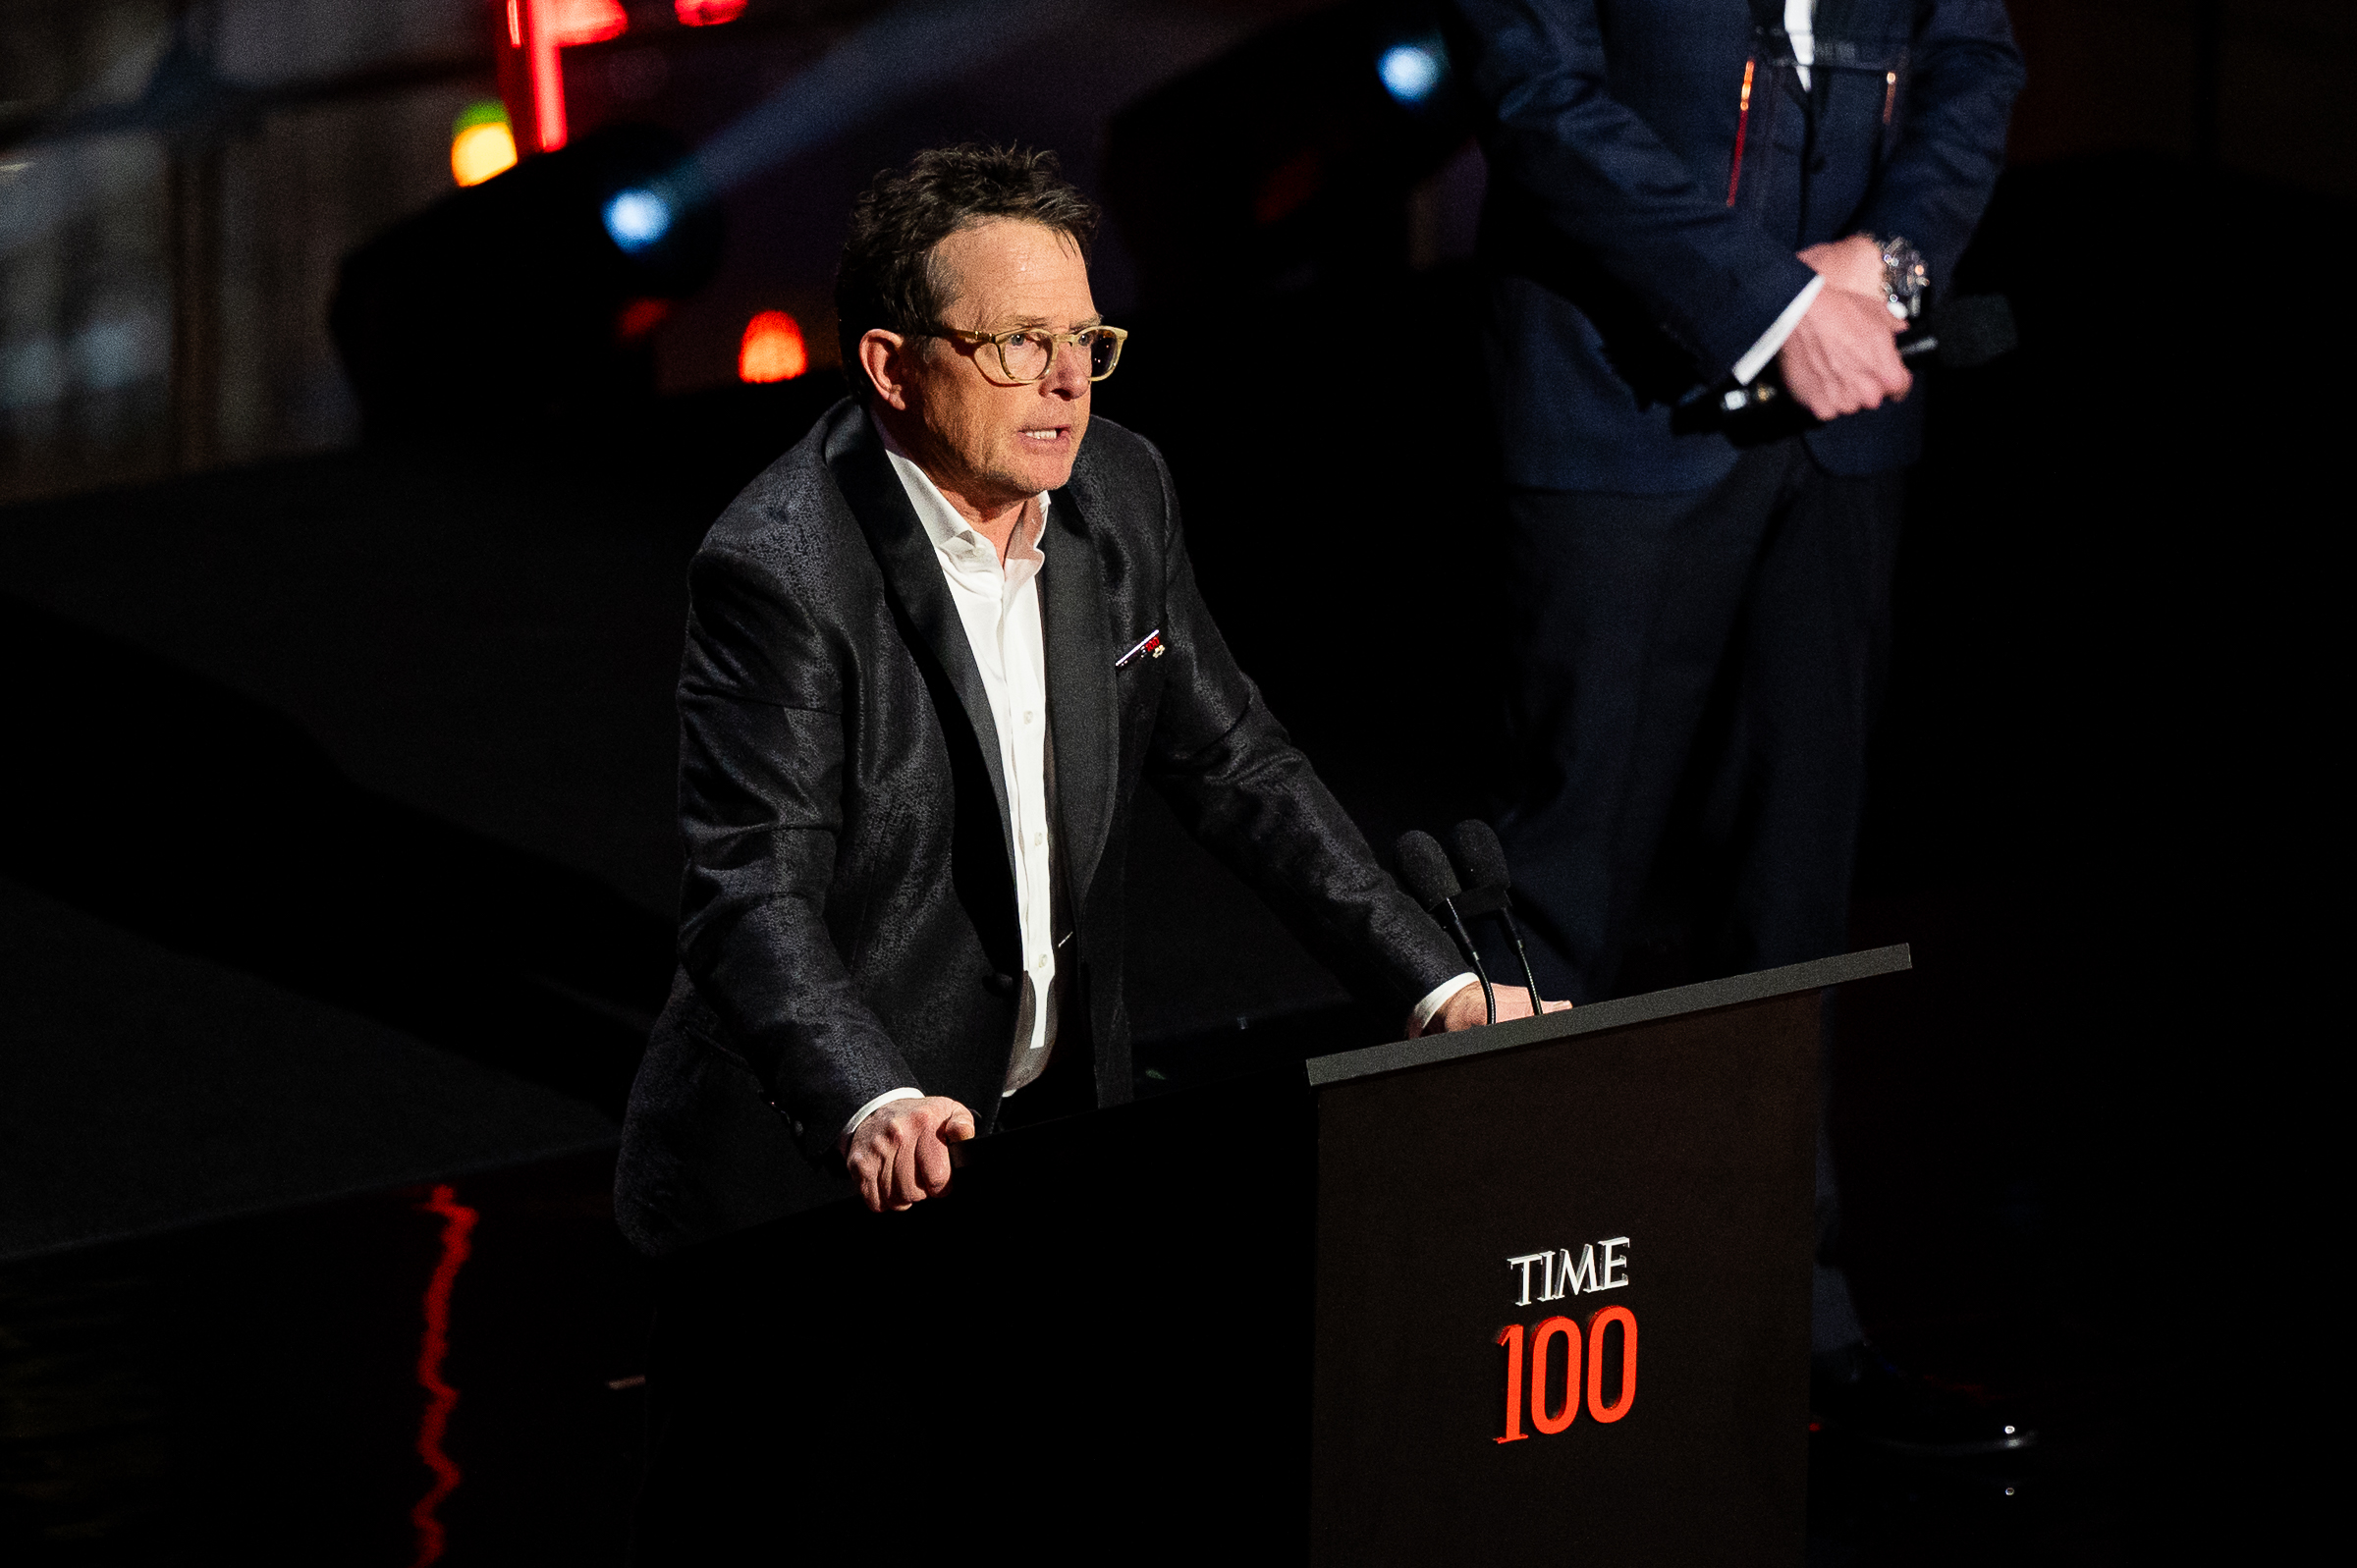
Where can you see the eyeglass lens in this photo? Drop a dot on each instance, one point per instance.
(1025, 358)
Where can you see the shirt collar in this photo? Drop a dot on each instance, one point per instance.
(949, 530)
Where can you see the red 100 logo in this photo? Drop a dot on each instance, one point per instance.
(1555, 1372)
(1548, 1359)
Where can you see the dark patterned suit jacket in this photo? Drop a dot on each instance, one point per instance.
(849, 915)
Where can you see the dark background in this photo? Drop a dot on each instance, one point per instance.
(337, 857)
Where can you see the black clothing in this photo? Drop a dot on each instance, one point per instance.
(1709, 661)
(848, 922)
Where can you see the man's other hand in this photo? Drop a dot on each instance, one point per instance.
(1466, 1009)
(1840, 358)
(1854, 264)
(901, 1154)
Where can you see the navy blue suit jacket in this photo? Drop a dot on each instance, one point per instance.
(1632, 262)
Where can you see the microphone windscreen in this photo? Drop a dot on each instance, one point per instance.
(1974, 328)
(1480, 856)
(1424, 868)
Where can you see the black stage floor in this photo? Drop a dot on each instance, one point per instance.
(337, 869)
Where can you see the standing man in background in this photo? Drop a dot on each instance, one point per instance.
(1686, 197)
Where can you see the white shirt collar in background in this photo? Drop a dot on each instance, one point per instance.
(1800, 25)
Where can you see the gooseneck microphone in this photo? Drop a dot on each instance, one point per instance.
(1489, 888)
(1424, 868)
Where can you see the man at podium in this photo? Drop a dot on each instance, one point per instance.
(931, 653)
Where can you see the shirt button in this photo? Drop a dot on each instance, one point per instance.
(1038, 838)
(1043, 960)
(1027, 716)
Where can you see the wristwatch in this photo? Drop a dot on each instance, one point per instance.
(1904, 277)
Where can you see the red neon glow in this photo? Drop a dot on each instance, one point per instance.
(707, 13)
(773, 349)
(548, 73)
(579, 21)
(458, 1224)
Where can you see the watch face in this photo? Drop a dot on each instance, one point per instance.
(1905, 274)
(1904, 278)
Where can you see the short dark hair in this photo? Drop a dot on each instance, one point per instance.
(888, 276)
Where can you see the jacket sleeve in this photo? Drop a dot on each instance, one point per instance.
(761, 772)
(1963, 75)
(1593, 172)
(1246, 791)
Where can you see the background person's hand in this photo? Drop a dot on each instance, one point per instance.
(901, 1155)
(1854, 264)
(1840, 358)
(1467, 1010)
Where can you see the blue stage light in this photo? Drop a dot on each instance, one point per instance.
(1411, 71)
(637, 219)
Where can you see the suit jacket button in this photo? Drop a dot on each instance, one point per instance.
(999, 984)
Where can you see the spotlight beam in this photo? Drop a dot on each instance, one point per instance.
(903, 53)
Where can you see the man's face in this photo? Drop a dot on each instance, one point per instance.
(994, 441)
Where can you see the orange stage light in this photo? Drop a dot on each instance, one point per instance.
(579, 21)
(772, 349)
(481, 144)
(707, 13)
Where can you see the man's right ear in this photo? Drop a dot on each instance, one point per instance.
(884, 360)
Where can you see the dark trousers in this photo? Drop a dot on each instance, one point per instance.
(1706, 663)
(1696, 679)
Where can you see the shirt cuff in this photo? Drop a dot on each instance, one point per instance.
(1756, 359)
(864, 1111)
(1438, 996)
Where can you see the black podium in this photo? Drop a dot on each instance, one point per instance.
(1532, 1293)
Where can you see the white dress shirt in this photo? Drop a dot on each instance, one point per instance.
(997, 603)
(998, 607)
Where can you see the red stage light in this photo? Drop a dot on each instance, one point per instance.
(458, 1226)
(707, 13)
(579, 21)
(532, 27)
(773, 349)
(640, 317)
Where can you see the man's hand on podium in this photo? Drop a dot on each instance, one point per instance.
(901, 1154)
(1466, 1009)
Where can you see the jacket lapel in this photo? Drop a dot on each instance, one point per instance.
(912, 576)
(1081, 700)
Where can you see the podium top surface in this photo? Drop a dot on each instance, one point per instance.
(1618, 1013)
